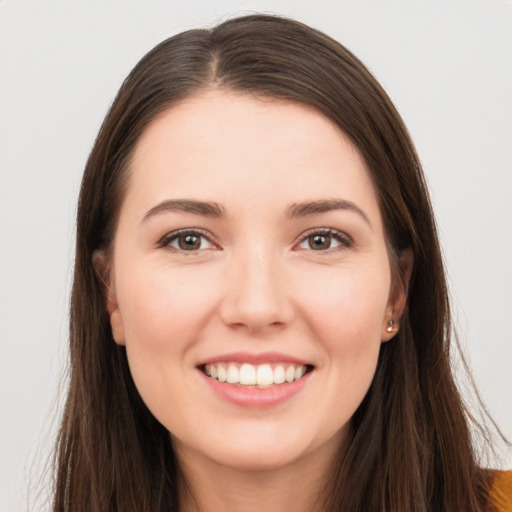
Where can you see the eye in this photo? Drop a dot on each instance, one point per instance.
(325, 239)
(186, 240)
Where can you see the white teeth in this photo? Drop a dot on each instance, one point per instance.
(247, 375)
(221, 373)
(233, 376)
(279, 375)
(254, 375)
(265, 375)
(299, 372)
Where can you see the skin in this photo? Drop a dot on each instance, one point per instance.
(254, 284)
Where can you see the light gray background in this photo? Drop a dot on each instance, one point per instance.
(447, 65)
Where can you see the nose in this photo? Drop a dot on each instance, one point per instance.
(256, 296)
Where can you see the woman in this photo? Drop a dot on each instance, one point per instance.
(259, 314)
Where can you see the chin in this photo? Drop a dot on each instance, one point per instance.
(252, 447)
(257, 458)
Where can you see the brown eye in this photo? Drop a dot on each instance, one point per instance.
(319, 242)
(189, 242)
(325, 240)
(186, 241)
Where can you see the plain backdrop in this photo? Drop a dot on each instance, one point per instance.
(448, 67)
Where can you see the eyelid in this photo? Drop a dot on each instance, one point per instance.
(345, 240)
(171, 236)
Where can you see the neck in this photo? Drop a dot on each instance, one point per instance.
(206, 486)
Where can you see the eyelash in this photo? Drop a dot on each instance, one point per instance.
(166, 241)
(345, 241)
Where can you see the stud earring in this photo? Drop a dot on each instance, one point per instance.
(390, 326)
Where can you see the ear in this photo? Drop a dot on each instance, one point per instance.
(398, 295)
(104, 273)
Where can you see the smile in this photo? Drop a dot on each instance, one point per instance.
(259, 376)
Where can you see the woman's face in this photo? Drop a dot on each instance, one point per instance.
(250, 280)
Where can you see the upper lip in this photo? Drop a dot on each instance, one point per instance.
(252, 358)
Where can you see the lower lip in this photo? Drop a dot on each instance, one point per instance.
(257, 397)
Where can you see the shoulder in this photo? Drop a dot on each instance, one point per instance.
(501, 490)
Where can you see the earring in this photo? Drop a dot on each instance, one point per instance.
(390, 326)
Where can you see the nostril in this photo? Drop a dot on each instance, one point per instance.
(255, 299)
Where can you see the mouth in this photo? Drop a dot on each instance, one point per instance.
(256, 376)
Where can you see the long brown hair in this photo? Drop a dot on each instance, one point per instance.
(411, 446)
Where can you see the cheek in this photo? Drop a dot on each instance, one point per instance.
(348, 325)
(344, 317)
(163, 312)
(346, 305)
(343, 311)
(162, 308)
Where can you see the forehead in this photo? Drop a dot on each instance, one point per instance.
(237, 149)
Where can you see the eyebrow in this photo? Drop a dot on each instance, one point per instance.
(206, 209)
(215, 210)
(323, 206)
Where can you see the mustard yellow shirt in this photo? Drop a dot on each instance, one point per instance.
(501, 493)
